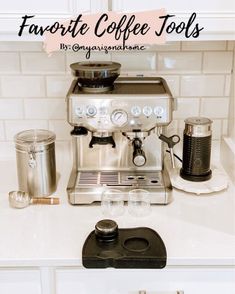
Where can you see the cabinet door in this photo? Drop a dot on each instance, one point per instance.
(20, 282)
(217, 17)
(46, 12)
(166, 281)
(181, 6)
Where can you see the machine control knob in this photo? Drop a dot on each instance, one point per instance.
(158, 110)
(136, 111)
(147, 110)
(119, 117)
(91, 110)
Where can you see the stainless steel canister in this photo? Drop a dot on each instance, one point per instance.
(36, 165)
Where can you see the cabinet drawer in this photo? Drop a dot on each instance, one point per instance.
(163, 281)
(15, 281)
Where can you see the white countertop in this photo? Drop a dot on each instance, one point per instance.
(197, 230)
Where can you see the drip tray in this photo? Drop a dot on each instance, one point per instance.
(87, 187)
(119, 178)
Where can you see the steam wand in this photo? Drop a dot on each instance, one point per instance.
(171, 142)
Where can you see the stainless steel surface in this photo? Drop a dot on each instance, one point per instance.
(114, 110)
(21, 199)
(198, 127)
(36, 166)
(133, 110)
(18, 199)
(86, 187)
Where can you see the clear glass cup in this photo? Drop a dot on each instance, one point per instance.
(112, 203)
(139, 202)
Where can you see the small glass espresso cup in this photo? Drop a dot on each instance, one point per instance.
(112, 203)
(139, 202)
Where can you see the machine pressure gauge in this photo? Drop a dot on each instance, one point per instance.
(136, 111)
(119, 117)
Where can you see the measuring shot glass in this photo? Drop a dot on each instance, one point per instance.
(139, 202)
(112, 203)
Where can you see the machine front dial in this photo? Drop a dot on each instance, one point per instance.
(119, 117)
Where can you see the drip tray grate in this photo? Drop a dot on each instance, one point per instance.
(119, 178)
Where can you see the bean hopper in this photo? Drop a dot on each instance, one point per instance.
(117, 122)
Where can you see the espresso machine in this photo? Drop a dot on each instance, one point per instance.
(117, 123)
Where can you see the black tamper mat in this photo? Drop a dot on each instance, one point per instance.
(109, 246)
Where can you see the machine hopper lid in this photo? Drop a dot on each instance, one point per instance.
(96, 74)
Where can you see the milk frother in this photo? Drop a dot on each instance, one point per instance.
(197, 149)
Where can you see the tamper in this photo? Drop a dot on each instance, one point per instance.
(106, 230)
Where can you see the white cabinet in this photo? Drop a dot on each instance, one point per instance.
(74, 280)
(20, 281)
(109, 281)
(217, 17)
(46, 12)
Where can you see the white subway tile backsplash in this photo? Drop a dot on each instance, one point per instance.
(40, 62)
(179, 62)
(202, 85)
(57, 86)
(11, 108)
(168, 46)
(216, 129)
(45, 108)
(7, 150)
(61, 128)
(20, 46)
(9, 62)
(2, 131)
(172, 128)
(137, 61)
(227, 90)
(181, 126)
(15, 126)
(23, 86)
(217, 62)
(224, 127)
(186, 107)
(203, 45)
(214, 107)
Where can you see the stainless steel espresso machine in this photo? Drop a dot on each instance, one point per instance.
(117, 123)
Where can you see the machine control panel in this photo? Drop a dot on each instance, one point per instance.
(121, 114)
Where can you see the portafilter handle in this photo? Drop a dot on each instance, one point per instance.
(171, 142)
(139, 158)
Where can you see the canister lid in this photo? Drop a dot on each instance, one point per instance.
(35, 136)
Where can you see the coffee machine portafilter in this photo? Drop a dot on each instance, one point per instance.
(116, 127)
